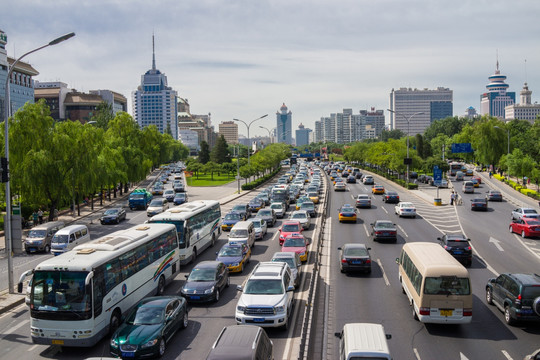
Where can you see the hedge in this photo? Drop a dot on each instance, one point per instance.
(261, 180)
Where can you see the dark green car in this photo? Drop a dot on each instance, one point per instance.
(149, 326)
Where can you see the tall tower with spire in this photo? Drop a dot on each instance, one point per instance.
(497, 97)
(284, 125)
(154, 102)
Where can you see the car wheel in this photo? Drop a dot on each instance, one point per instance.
(162, 347)
(213, 240)
(414, 315)
(216, 296)
(489, 296)
(507, 316)
(161, 286)
(193, 255)
(47, 248)
(523, 233)
(185, 319)
(102, 223)
(510, 229)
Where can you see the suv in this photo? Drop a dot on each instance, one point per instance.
(267, 296)
(458, 246)
(244, 342)
(517, 295)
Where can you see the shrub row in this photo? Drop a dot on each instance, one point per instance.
(260, 181)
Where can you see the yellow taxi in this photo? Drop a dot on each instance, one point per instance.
(235, 256)
(347, 213)
(314, 196)
(377, 189)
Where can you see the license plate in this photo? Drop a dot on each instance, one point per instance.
(258, 320)
(356, 262)
(446, 312)
(195, 297)
(58, 342)
(128, 354)
(458, 252)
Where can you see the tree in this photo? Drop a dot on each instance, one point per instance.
(489, 141)
(211, 167)
(103, 115)
(419, 145)
(392, 134)
(448, 126)
(204, 153)
(220, 152)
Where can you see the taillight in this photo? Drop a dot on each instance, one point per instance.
(446, 247)
(518, 300)
(378, 232)
(344, 261)
(467, 312)
(469, 248)
(424, 311)
(368, 261)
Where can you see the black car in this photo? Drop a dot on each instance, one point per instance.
(268, 215)
(180, 198)
(383, 230)
(391, 197)
(354, 257)
(243, 210)
(206, 281)
(351, 179)
(458, 246)
(113, 216)
(479, 204)
(265, 197)
(517, 295)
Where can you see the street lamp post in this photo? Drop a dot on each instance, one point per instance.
(7, 104)
(248, 125)
(269, 132)
(408, 131)
(508, 148)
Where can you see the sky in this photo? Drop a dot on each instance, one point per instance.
(245, 58)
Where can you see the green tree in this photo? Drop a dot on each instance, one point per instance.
(419, 145)
(392, 134)
(211, 167)
(204, 153)
(103, 115)
(489, 140)
(220, 151)
(448, 126)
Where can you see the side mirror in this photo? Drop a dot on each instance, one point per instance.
(239, 288)
(397, 261)
(290, 288)
(339, 335)
(186, 276)
(339, 248)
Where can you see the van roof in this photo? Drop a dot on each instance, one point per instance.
(235, 342)
(369, 339)
(71, 227)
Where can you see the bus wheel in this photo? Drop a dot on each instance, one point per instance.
(415, 317)
(160, 286)
(213, 240)
(115, 321)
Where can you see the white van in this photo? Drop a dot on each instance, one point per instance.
(363, 341)
(243, 232)
(459, 176)
(67, 238)
(468, 187)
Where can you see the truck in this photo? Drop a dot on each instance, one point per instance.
(139, 199)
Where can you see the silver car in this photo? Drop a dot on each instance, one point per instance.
(303, 217)
(293, 259)
(278, 208)
(157, 206)
(260, 228)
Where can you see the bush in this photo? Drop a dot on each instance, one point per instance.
(260, 181)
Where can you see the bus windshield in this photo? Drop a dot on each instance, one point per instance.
(447, 285)
(179, 229)
(60, 295)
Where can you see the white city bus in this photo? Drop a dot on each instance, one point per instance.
(437, 285)
(197, 223)
(78, 297)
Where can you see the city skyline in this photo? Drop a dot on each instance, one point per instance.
(289, 55)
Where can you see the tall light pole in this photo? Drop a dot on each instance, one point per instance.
(269, 132)
(7, 224)
(408, 131)
(508, 149)
(248, 125)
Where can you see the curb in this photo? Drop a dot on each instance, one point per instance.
(11, 305)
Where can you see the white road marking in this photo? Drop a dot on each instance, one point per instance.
(463, 357)
(32, 347)
(403, 231)
(365, 228)
(416, 353)
(506, 354)
(496, 242)
(383, 273)
(386, 211)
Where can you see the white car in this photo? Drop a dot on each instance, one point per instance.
(303, 217)
(278, 208)
(260, 228)
(293, 260)
(340, 186)
(157, 206)
(520, 213)
(405, 209)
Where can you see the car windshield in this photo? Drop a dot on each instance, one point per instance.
(156, 203)
(406, 205)
(355, 251)
(347, 209)
(231, 251)
(313, 194)
(264, 287)
(384, 225)
(232, 216)
(294, 242)
(111, 212)
(60, 239)
(291, 228)
(169, 192)
(146, 315)
(239, 233)
(203, 274)
(479, 200)
(257, 224)
(289, 261)
(363, 197)
(264, 213)
(276, 206)
(447, 285)
(37, 234)
(299, 216)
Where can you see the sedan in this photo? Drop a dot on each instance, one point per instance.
(363, 201)
(479, 204)
(391, 197)
(377, 189)
(524, 213)
(458, 246)
(526, 227)
(309, 207)
(383, 230)
(293, 260)
(180, 198)
(157, 206)
(288, 228)
(354, 257)
(278, 208)
(347, 213)
(157, 189)
(477, 178)
(234, 256)
(243, 210)
(313, 196)
(494, 195)
(260, 227)
(256, 204)
(303, 217)
(169, 195)
(296, 243)
(149, 326)
(268, 215)
(340, 186)
(206, 281)
(405, 209)
(113, 215)
(351, 179)
(230, 220)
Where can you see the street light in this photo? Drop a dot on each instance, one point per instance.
(508, 151)
(7, 104)
(408, 131)
(269, 132)
(248, 125)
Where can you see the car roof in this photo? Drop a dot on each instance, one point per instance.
(355, 245)
(235, 342)
(209, 264)
(526, 279)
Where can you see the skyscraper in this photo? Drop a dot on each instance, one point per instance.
(302, 135)
(229, 130)
(284, 125)
(155, 103)
(496, 98)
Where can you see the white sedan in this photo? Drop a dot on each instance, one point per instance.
(303, 217)
(405, 209)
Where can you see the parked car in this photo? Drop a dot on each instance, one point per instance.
(268, 215)
(383, 230)
(458, 246)
(113, 216)
(524, 212)
(527, 227)
(206, 281)
(354, 257)
(479, 204)
(405, 209)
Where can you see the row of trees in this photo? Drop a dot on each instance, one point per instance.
(54, 162)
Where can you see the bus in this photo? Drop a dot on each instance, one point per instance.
(198, 226)
(78, 297)
(437, 285)
(455, 167)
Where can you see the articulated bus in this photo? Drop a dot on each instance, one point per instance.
(197, 223)
(78, 297)
(437, 285)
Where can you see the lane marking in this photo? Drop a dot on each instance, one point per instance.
(365, 228)
(462, 357)
(32, 348)
(506, 354)
(327, 291)
(416, 354)
(403, 231)
(496, 243)
(386, 211)
(383, 273)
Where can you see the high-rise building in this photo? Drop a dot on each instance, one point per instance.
(433, 104)
(371, 124)
(525, 110)
(54, 94)
(21, 85)
(155, 103)
(494, 101)
(302, 135)
(229, 130)
(117, 101)
(284, 125)
(346, 127)
(318, 133)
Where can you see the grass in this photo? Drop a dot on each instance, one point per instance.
(206, 180)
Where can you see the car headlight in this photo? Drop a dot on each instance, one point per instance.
(236, 264)
(149, 343)
(302, 253)
(240, 308)
(114, 343)
(279, 309)
(209, 291)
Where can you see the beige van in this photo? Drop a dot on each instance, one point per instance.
(243, 232)
(39, 238)
(67, 238)
(363, 341)
(468, 187)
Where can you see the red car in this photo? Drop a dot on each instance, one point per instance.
(296, 243)
(527, 227)
(477, 178)
(288, 228)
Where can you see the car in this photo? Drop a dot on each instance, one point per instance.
(300, 200)
(234, 256)
(229, 220)
(494, 195)
(169, 195)
(303, 217)
(309, 207)
(279, 209)
(297, 243)
(351, 179)
(405, 209)
(368, 180)
(294, 262)
(149, 327)
(443, 183)
(383, 230)
(520, 213)
(391, 197)
(178, 186)
(157, 189)
(458, 246)
(264, 197)
(478, 179)
(206, 281)
(157, 206)
(478, 204)
(469, 172)
(243, 210)
(363, 201)
(354, 257)
(268, 215)
(241, 342)
(256, 204)
(289, 227)
(340, 186)
(527, 227)
(516, 295)
(113, 216)
(333, 175)
(260, 227)
(468, 187)
(314, 197)
(475, 182)
(347, 212)
(180, 198)
(377, 189)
